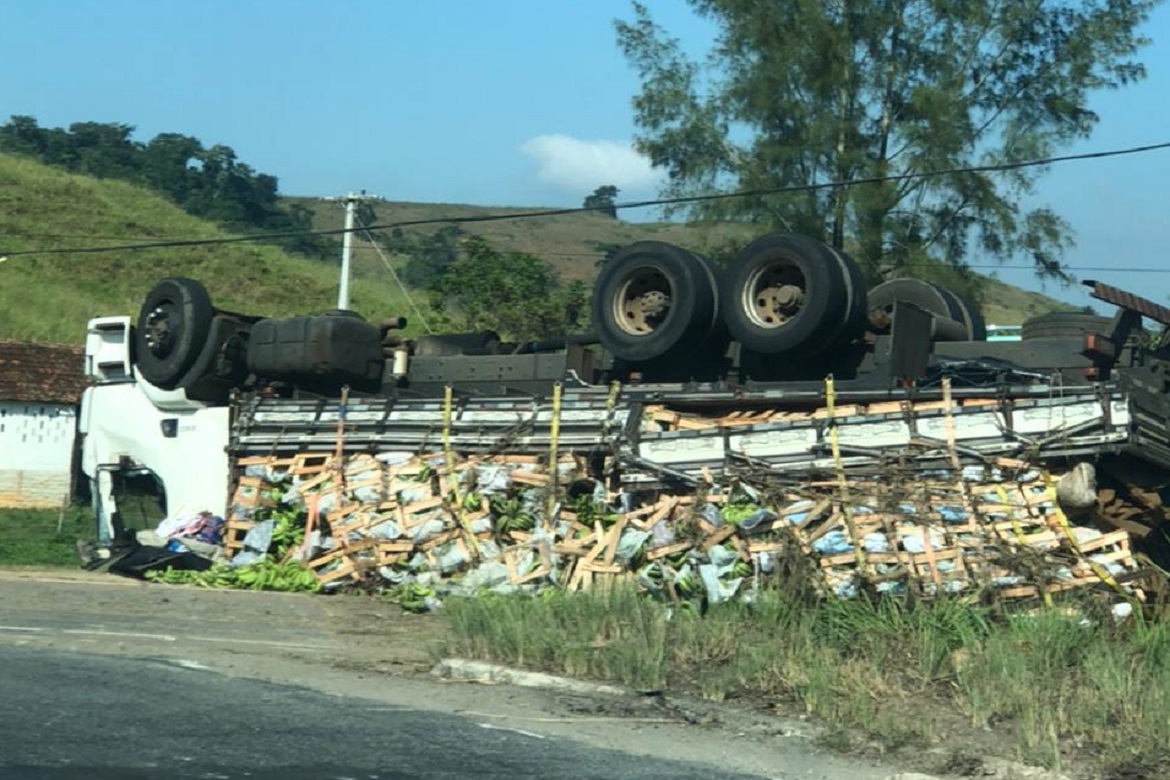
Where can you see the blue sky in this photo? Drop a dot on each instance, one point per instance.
(514, 102)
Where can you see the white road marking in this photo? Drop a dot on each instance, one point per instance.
(187, 664)
(101, 632)
(123, 634)
(493, 727)
(265, 642)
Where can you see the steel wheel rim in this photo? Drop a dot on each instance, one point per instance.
(643, 302)
(774, 295)
(161, 325)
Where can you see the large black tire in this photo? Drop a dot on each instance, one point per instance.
(925, 295)
(853, 325)
(787, 294)
(1061, 325)
(173, 326)
(653, 299)
(969, 315)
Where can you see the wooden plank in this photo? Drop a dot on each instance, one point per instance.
(691, 424)
(317, 482)
(603, 568)
(268, 461)
(342, 552)
(613, 540)
(850, 559)
(339, 514)
(662, 511)
(440, 539)
(515, 459)
(311, 463)
(424, 505)
(719, 536)
(667, 550)
(395, 546)
(535, 574)
(845, 410)
(359, 525)
(530, 478)
(1105, 540)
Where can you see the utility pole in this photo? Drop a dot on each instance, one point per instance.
(346, 251)
(351, 200)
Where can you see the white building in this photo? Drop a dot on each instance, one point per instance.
(40, 389)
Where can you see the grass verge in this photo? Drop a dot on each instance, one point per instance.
(1052, 688)
(30, 537)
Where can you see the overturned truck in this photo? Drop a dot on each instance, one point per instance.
(717, 418)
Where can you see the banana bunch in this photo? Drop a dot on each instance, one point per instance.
(290, 577)
(588, 511)
(412, 596)
(510, 515)
(472, 501)
(173, 576)
(288, 531)
(741, 569)
(736, 513)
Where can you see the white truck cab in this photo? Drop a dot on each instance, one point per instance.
(129, 426)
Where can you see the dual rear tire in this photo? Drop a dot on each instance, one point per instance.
(783, 294)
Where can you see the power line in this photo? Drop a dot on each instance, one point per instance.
(979, 266)
(390, 267)
(539, 213)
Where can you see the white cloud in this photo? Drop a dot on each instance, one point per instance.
(578, 166)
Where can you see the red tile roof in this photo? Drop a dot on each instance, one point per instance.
(41, 373)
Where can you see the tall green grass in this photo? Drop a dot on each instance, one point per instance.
(1049, 682)
(50, 297)
(44, 537)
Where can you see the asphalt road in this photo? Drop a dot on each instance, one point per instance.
(73, 715)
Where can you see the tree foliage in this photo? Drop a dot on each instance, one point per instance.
(427, 257)
(210, 183)
(801, 92)
(515, 294)
(604, 199)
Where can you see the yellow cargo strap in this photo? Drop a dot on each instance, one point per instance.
(1062, 520)
(553, 441)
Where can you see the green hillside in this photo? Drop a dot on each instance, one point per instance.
(51, 297)
(573, 243)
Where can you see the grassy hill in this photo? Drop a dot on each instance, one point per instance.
(573, 243)
(51, 297)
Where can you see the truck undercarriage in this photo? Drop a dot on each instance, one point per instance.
(776, 368)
